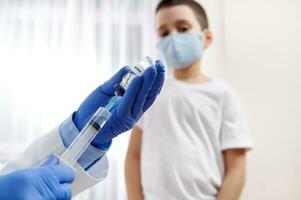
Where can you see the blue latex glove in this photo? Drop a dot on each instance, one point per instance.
(139, 96)
(50, 182)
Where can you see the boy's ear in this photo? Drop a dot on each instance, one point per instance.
(208, 37)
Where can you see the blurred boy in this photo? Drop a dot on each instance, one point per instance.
(192, 143)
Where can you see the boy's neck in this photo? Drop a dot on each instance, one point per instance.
(191, 74)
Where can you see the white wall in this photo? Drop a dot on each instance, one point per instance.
(262, 53)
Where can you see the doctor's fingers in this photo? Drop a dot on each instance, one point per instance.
(65, 192)
(108, 87)
(52, 160)
(127, 101)
(149, 76)
(156, 87)
(62, 173)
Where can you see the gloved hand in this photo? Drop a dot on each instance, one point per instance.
(139, 96)
(50, 182)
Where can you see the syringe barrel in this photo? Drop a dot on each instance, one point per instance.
(135, 71)
(85, 137)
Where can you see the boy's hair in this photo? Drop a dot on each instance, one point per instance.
(198, 10)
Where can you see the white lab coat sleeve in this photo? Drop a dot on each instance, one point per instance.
(51, 143)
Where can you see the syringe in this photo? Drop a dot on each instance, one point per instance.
(93, 126)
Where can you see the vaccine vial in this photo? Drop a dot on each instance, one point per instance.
(135, 71)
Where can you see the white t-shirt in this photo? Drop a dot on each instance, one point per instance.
(184, 134)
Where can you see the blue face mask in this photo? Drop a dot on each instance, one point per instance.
(181, 50)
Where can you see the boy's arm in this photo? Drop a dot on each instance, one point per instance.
(235, 165)
(132, 166)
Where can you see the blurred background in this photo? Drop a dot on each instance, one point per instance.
(54, 52)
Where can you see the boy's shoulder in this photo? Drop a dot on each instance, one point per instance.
(221, 85)
(216, 87)
(226, 90)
